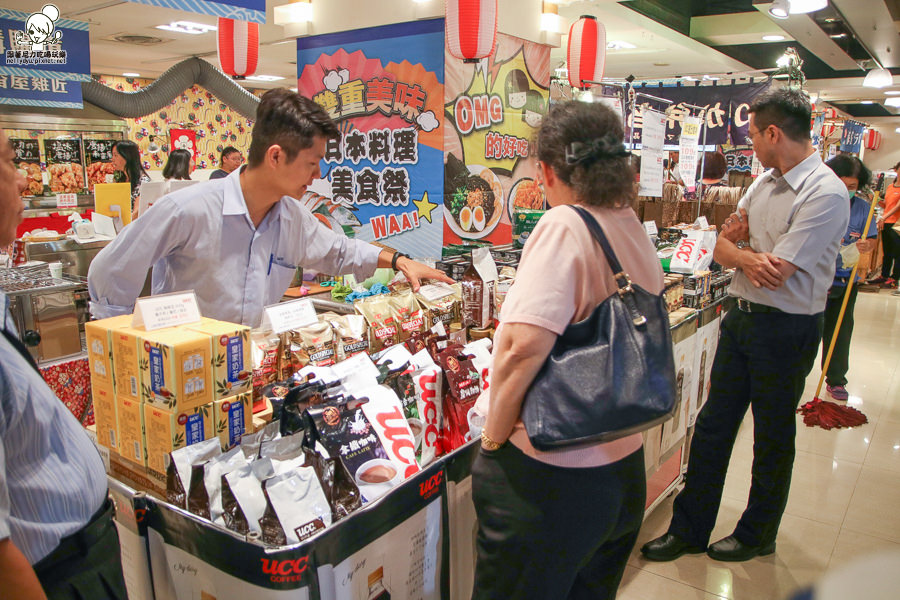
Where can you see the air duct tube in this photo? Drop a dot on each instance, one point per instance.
(169, 86)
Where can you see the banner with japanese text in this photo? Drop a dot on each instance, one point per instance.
(493, 111)
(253, 11)
(382, 180)
(725, 108)
(852, 136)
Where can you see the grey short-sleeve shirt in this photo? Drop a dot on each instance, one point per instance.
(799, 217)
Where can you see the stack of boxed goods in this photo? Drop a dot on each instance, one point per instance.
(156, 391)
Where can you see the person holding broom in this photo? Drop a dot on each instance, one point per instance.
(783, 242)
(855, 176)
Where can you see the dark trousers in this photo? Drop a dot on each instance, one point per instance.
(86, 565)
(840, 359)
(762, 362)
(551, 532)
(890, 243)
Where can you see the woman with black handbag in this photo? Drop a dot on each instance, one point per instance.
(560, 521)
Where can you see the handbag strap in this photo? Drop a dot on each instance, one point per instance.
(14, 341)
(623, 282)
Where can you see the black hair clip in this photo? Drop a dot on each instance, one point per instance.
(578, 153)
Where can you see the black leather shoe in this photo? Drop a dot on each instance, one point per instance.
(731, 550)
(668, 547)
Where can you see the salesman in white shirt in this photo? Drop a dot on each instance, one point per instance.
(237, 241)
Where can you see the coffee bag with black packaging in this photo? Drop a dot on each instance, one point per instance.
(462, 390)
(383, 329)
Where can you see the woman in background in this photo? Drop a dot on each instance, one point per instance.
(890, 239)
(126, 159)
(179, 166)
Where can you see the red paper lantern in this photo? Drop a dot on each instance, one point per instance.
(586, 54)
(873, 139)
(828, 128)
(471, 28)
(238, 47)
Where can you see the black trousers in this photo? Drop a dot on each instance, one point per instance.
(762, 362)
(890, 243)
(840, 359)
(86, 565)
(551, 532)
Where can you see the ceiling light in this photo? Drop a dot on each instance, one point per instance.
(897, 130)
(710, 78)
(188, 27)
(895, 102)
(878, 78)
(780, 9)
(836, 36)
(295, 12)
(773, 38)
(892, 93)
(689, 78)
(131, 74)
(619, 45)
(867, 102)
(799, 7)
(264, 78)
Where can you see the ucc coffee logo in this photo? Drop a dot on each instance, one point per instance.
(35, 45)
(431, 486)
(282, 571)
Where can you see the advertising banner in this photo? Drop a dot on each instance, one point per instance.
(687, 151)
(653, 128)
(493, 111)
(726, 110)
(852, 136)
(253, 11)
(384, 87)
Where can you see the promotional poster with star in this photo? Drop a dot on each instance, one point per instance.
(492, 113)
(382, 181)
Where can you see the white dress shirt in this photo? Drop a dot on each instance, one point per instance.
(201, 238)
(52, 479)
(799, 217)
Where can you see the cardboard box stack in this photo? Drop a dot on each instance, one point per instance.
(157, 391)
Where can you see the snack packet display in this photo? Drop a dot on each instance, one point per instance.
(383, 328)
(462, 390)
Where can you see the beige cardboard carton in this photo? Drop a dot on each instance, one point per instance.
(132, 444)
(99, 338)
(167, 431)
(233, 418)
(126, 352)
(231, 364)
(175, 369)
(105, 418)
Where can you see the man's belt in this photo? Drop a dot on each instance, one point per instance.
(753, 307)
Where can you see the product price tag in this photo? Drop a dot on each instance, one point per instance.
(650, 228)
(285, 316)
(435, 291)
(166, 310)
(66, 200)
(702, 222)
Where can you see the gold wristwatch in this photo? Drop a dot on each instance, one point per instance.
(488, 444)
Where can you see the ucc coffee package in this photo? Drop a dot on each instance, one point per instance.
(313, 345)
(351, 336)
(428, 380)
(383, 329)
(264, 351)
(442, 303)
(385, 412)
(348, 435)
(410, 318)
(477, 299)
(299, 503)
(179, 465)
(243, 502)
(480, 353)
(205, 491)
(463, 389)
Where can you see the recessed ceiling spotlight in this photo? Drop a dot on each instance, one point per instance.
(660, 64)
(867, 102)
(780, 9)
(131, 74)
(895, 102)
(836, 36)
(773, 38)
(710, 78)
(689, 78)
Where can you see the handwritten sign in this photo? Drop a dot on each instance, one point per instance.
(63, 151)
(166, 310)
(289, 315)
(66, 200)
(98, 150)
(688, 157)
(26, 150)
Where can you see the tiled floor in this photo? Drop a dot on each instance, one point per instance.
(845, 491)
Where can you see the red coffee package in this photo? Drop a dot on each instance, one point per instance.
(462, 390)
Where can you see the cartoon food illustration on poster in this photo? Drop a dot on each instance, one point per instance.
(493, 111)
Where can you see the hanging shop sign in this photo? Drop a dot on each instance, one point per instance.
(739, 159)
(42, 58)
(493, 111)
(688, 158)
(852, 136)
(726, 110)
(184, 139)
(384, 86)
(242, 10)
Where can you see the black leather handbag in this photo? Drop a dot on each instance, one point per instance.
(608, 376)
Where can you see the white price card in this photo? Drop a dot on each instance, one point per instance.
(650, 227)
(166, 310)
(435, 291)
(702, 222)
(285, 316)
(66, 200)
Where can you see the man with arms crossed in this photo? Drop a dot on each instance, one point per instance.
(238, 241)
(783, 242)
